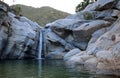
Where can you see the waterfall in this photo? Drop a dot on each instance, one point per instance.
(45, 50)
(40, 45)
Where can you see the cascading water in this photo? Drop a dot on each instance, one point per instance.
(46, 30)
(40, 45)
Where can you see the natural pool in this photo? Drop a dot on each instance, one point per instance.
(42, 69)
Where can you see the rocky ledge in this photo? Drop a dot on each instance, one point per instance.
(90, 38)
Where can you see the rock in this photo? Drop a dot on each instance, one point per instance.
(4, 6)
(91, 46)
(118, 5)
(54, 43)
(107, 51)
(55, 55)
(89, 28)
(107, 38)
(108, 15)
(97, 34)
(75, 61)
(83, 33)
(104, 55)
(19, 42)
(71, 53)
(91, 7)
(51, 36)
(101, 5)
(79, 58)
(3, 37)
(65, 24)
(91, 64)
(63, 27)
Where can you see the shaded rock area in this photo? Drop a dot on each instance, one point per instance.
(89, 38)
(18, 36)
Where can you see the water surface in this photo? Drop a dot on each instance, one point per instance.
(42, 69)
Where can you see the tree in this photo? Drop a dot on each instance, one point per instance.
(83, 4)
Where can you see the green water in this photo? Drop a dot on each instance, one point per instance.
(42, 69)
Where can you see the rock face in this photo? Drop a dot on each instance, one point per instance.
(18, 36)
(92, 35)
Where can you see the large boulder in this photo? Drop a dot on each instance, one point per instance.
(101, 5)
(94, 38)
(56, 40)
(110, 38)
(20, 39)
(107, 62)
(106, 50)
(63, 27)
(83, 33)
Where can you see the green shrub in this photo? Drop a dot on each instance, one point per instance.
(88, 16)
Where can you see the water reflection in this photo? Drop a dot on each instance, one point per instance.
(39, 68)
(42, 69)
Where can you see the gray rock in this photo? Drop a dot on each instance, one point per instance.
(79, 59)
(71, 53)
(91, 64)
(55, 55)
(20, 37)
(51, 36)
(100, 5)
(91, 48)
(63, 27)
(118, 5)
(108, 51)
(83, 33)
